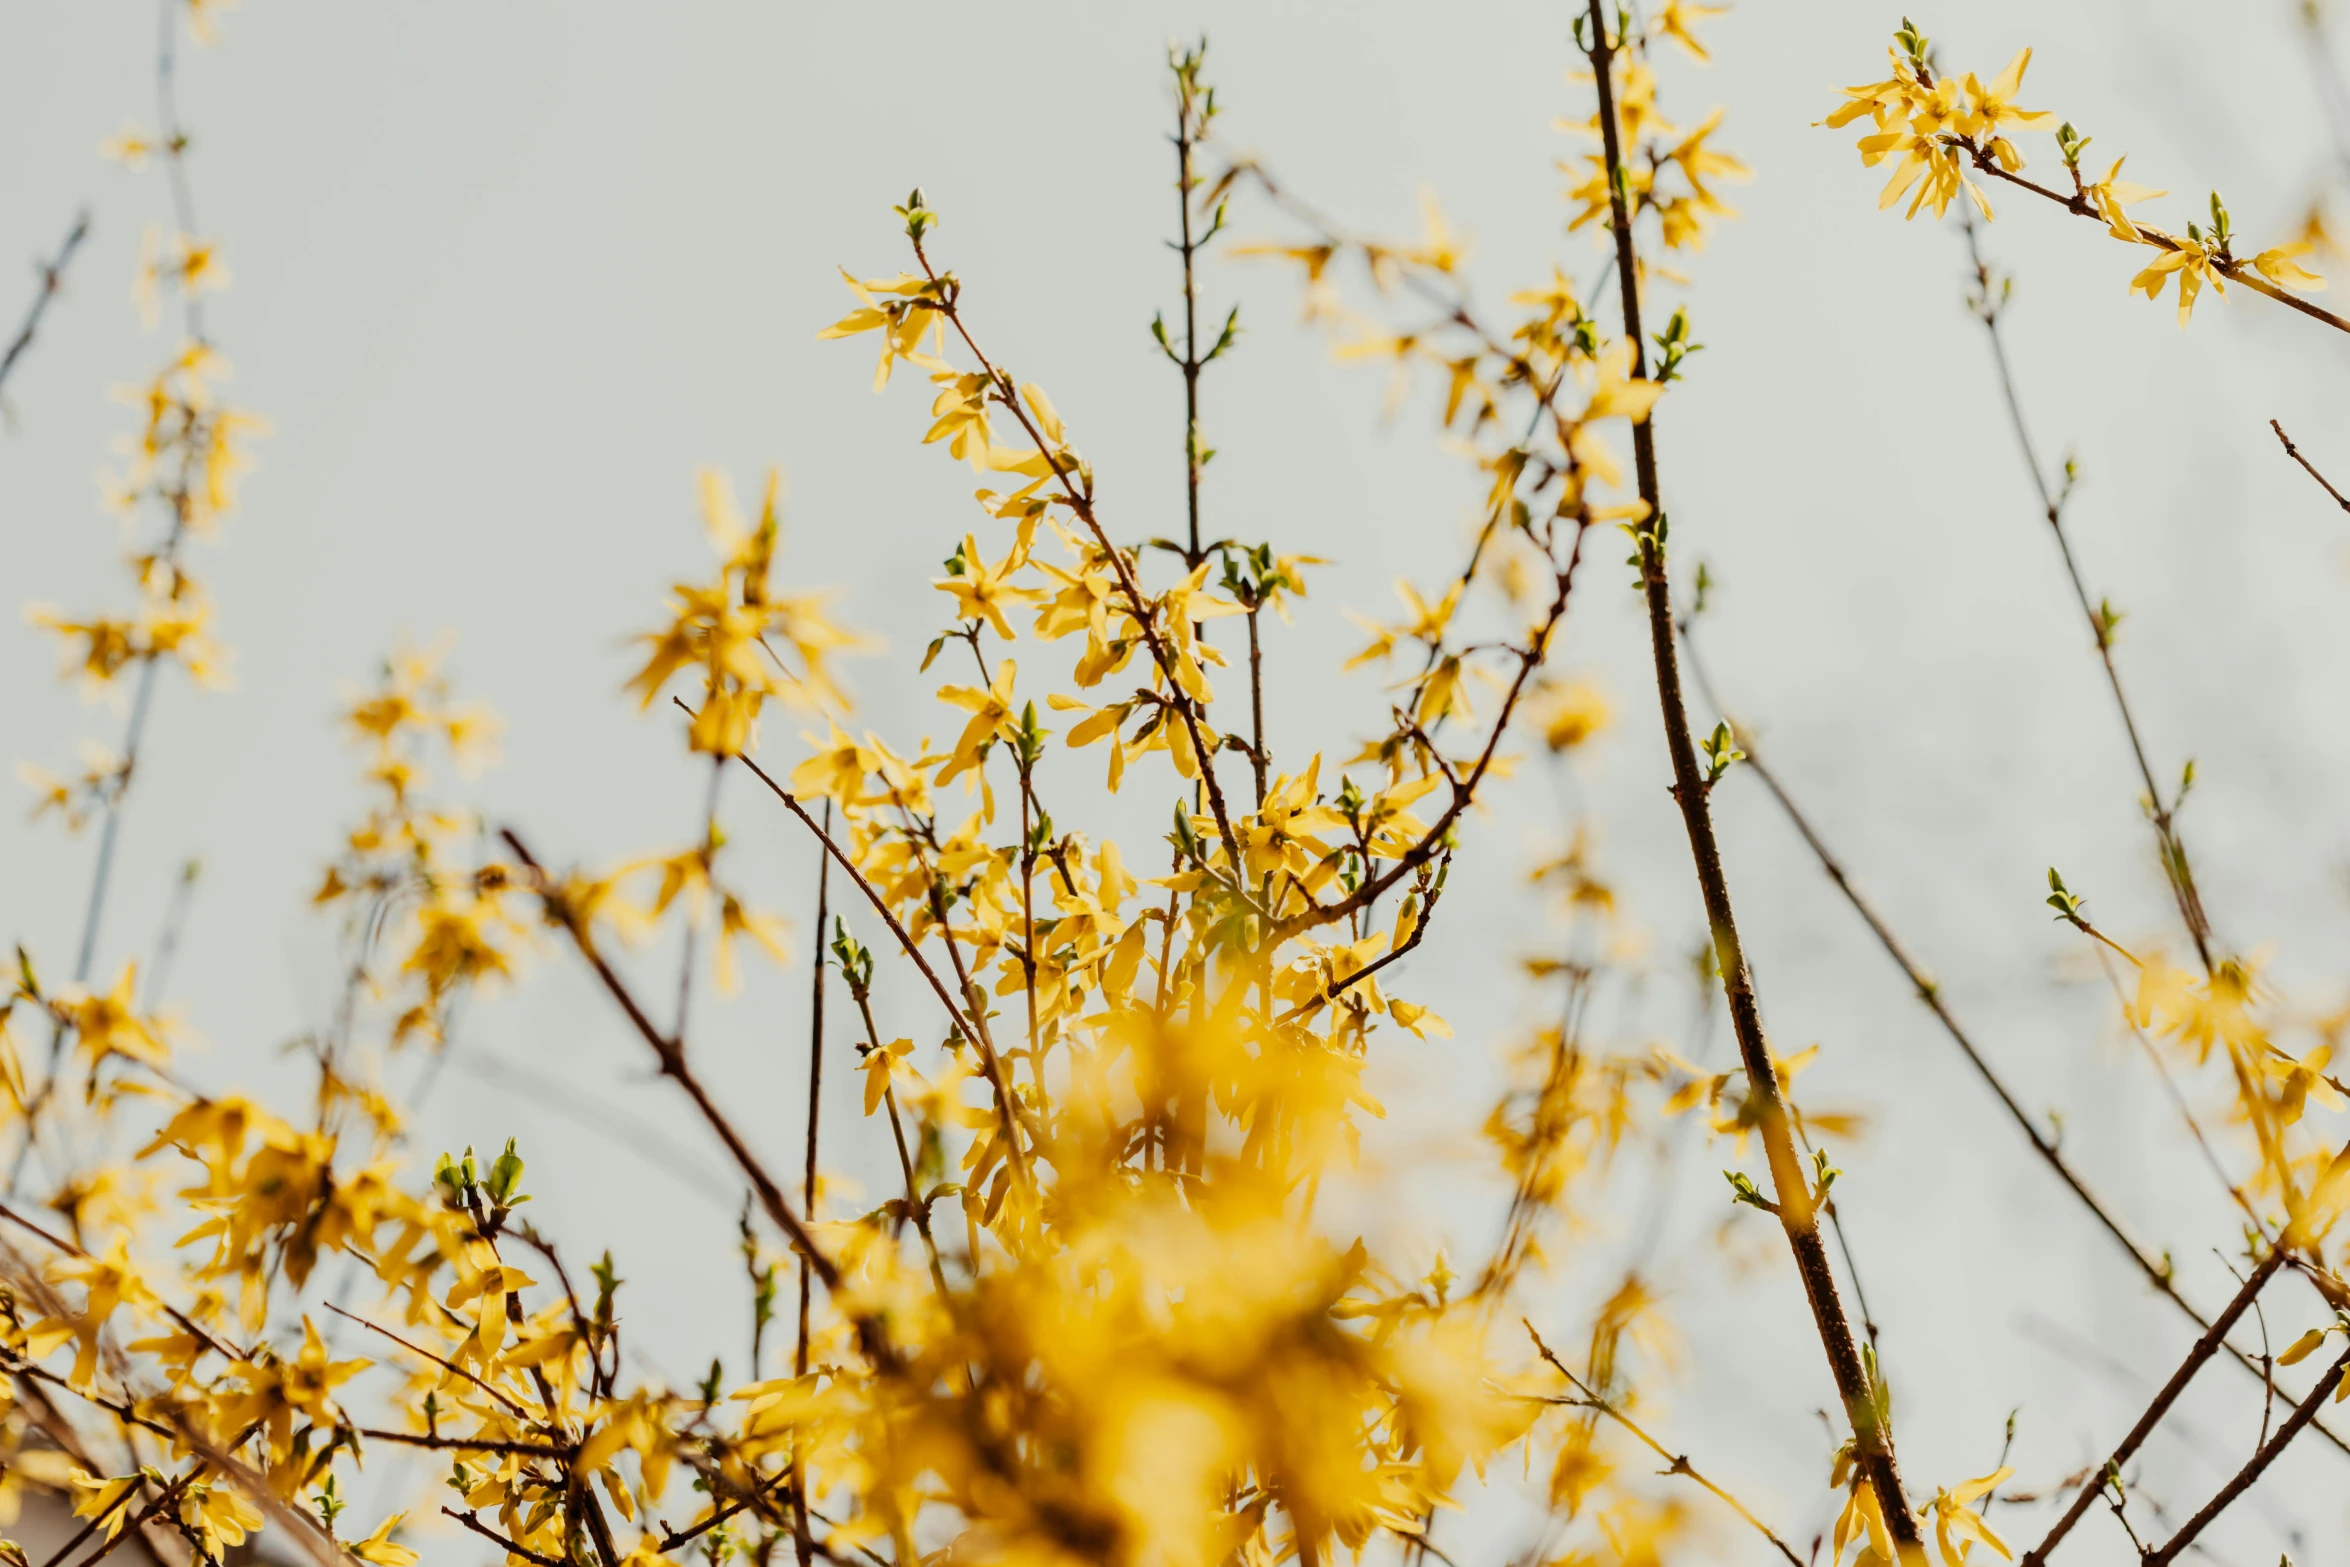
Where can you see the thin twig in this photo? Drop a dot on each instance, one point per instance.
(2309, 467)
(2234, 271)
(52, 275)
(803, 1543)
(2173, 851)
(443, 1362)
(511, 1547)
(871, 1336)
(977, 1038)
(460, 1444)
(1679, 1461)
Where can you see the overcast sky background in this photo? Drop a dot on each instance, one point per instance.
(504, 275)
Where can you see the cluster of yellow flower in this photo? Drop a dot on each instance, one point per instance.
(1937, 127)
(1105, 1316)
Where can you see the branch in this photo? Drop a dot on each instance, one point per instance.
(2233, 271)
(459, 1444)
(1006, 1106)
(186, 1324)
(2303, 1414)
(2175, 866)
(1679, 1461)
(2308, 467)
(52, 274)
(445, 1364)
(1872, 1435)
(1081, 502)
(1330, 992)
(510, 1547)
(671, 1054)
(2154, 1412)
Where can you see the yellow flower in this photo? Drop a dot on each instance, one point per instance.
(2112, 193)
(992, 717)
(1989, 108)
(2278, 266)
(1958, 1528)
(900, 309)
(380, 1549)
(2193, 263)
(981, 591)
(1677, 19)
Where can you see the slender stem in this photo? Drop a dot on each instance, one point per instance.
(2175, 866)
(133, 1527)
(963, 1025)
(445, 1364)
(459, 1444)
(2309, 467)
(915, 1206)
(671, 1055)
(52, 274)
(1190, 362)
(1591, 1399)
(2169, 1395)
(685, 963)
(510, 1547)
(1872, 1435)
(1256, 704)
(175, 924)
(2233, 271)
(803, 1543)
(1081, 502)
(2303, 1413)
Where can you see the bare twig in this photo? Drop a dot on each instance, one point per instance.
(2309, 467)
(1679, 1462)
(803, 1543)
(2173, 851)
(52, 276)
(510, 1547)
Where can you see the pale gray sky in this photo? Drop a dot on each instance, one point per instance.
(506, 273)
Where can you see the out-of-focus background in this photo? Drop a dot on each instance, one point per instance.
(505, 275)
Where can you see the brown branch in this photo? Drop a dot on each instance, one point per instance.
(2176, 869)
(443, 1362)
(1006, 1105)
(459, 1444)
(512, 1548)
(2233, 271)
(671, 1056)
(2169, 1395)
(2308, 467)
(1081, 502)
(2303, 1413)
(135, 1527)
(52, 275)
(803, 1545)
(1872, 1435)
(1330, 992)
(1591, 1399)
